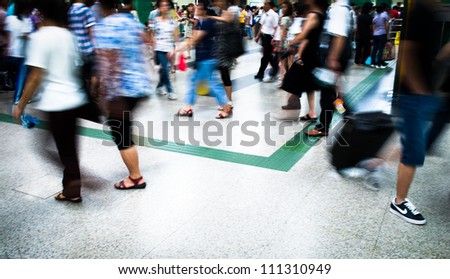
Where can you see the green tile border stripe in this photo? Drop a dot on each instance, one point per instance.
(282, 159)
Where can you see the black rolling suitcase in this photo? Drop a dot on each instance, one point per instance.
(361, 137)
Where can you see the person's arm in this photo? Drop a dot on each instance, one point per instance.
(226, 16)
(151, 31)
(413, 78)
(176, 40)
(300, 51)
(338, 27)
(7, 40)
(335, 52)
(89, 22)
(176, 35)
(90, 32)
(386, 25)
(197, 36)
(260, 27)
(311, 22)
(32, 84)
(259, 32)
(151, 36)
(191, 20)
(146, 37)
(275, 24)
(173, 14)
(283, 33)
(108, 70)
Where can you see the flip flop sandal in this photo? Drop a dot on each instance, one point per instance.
(307, 118)
(135, 185)
(61, 197)
(222, 116)
(185, 113)
(221, 108)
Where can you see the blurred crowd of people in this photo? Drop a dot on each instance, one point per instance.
(75, 53)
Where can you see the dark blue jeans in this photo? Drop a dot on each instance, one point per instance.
(164, 78)
(377, 50)
(17, 71)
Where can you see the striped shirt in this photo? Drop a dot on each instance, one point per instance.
(80, 19)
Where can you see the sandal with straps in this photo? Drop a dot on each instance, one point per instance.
(221, 108)
(183, 112)
(307, 118)
(121, 184)
(61, 197)
(223, 114)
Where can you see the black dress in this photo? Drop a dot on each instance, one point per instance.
(299, 78)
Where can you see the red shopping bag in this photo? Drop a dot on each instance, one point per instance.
(182, 63)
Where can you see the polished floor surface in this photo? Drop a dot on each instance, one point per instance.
(250, 186)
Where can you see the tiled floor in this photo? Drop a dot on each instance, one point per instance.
(225, 201)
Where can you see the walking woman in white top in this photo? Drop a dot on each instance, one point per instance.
(164, 37)
(52, 58)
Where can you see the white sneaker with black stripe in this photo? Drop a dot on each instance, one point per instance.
(407, 211)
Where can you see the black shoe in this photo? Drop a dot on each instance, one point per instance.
(408, 212)
(259, 77)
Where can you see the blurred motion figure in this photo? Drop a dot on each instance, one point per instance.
(417, 104)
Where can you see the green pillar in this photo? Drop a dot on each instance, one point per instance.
(143, 7)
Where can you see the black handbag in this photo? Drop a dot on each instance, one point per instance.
(298, 79)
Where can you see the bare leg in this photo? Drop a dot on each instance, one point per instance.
(311, 104)
(131, 159)
(172, 64)
(283, 68)
(290, 60)
(188, 47)
(404, 180)
(228, 90)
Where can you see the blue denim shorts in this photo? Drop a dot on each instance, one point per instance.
(417, 112)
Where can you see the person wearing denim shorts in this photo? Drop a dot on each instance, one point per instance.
(417, 104)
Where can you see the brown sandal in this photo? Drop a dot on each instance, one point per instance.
(183, 112)
(121, 184)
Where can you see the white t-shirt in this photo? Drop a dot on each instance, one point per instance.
(17, 28)
(55, 50)
(164, 34)
(277, 35)
(296, 28)
(339, 24)
(269, 21)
